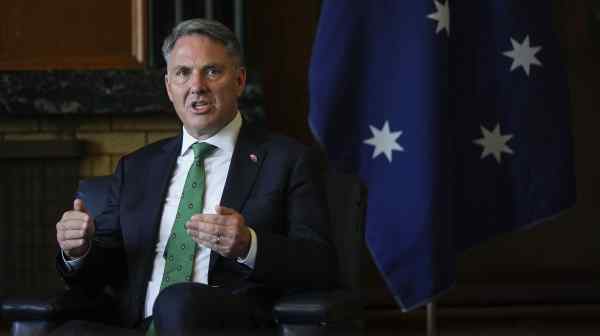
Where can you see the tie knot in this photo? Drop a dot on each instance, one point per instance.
(201, 150)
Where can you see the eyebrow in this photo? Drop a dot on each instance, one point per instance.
(209, 65)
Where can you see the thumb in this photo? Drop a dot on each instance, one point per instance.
(78, 205)
(221, 210)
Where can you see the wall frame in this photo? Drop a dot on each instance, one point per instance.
(73, 34)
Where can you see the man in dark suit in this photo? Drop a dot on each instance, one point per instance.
(256, 216)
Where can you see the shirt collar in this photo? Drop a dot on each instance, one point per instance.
(224, 139)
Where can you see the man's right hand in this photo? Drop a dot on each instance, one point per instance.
(75, 230)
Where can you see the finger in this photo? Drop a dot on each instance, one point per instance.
(221, 210)
(73, 234)
(209, 218)
(71, 224)
(204, 227)
(209, 232)
(78, 205)
(203, 239)
(230, 216)
(211, 241)
(71, 244)
(75, 214)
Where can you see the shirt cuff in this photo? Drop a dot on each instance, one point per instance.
(75, 263)
(250, 258)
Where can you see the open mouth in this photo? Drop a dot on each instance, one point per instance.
(200, 106)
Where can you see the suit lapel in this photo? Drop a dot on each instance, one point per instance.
(246, 161)
(245, 164)
(159, 172)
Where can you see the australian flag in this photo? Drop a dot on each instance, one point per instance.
(454, 114)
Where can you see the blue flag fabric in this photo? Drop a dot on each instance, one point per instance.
(454, 113)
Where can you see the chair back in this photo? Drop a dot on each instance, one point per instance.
(346, 196)
(94, 192)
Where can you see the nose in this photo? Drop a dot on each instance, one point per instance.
(197, 83)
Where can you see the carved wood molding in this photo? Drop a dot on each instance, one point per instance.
(139, 35)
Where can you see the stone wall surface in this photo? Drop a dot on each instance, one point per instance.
(106, 138)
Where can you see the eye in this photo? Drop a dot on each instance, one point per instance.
(213, 72)
(181, 74)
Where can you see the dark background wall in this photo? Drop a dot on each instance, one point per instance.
(563, 252)
(567, 249)
(280, 41)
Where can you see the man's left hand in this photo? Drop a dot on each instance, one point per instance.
(224, 232)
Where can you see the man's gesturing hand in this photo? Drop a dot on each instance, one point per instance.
(224, 232)
(74, 230)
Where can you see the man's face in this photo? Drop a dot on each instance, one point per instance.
(203, 82)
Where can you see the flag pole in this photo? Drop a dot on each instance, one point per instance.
(431, 319)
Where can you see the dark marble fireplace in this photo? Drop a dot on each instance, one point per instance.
(38, 180)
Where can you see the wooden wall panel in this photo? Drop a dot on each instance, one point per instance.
(72, 34)
(279, 45)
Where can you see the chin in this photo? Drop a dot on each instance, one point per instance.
(202, 131)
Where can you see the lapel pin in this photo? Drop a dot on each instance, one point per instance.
(253, 158)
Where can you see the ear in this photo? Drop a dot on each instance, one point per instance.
(241, 80)
(168, 87)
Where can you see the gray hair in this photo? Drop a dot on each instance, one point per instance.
(212, 29)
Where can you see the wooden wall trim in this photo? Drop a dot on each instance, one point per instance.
(41, 149)
(139, 36)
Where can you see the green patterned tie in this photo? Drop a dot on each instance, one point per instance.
(181, 248)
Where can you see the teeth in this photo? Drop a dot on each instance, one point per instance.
(198, 104)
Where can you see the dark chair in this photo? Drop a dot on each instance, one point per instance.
(313, 313)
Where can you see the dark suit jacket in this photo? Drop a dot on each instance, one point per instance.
(280, 195)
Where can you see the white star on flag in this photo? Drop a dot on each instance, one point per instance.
(442, 16)
(384, 141)
(494, 143)
(523, 55)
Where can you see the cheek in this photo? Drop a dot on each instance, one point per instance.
(169, 93)
(176, 96)
(173, 92)
(233, 92)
